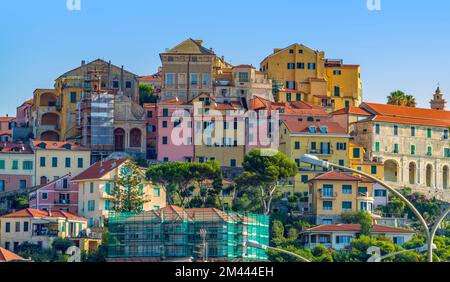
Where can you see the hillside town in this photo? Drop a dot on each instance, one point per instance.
(194, 160)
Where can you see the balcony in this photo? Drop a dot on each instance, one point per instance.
(320, 152)
(328, 196)
(62, 202)
(365, 197)
(49, 127)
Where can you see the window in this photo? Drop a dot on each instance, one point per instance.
(341, 146)
(380, 193)
(297, 162)
(377, 128)
(165, 112)
(341, 162)
(343, 239)
(206, 79)
(291, 66)
(91, 205)
(327, 205)
(398, 240)
(116, 84)
(164, 124)
(337, 91)
(7, 245)
(377, 147)
(2, 164)
(73, 97)
(297, 145)
(347, 189)
(22, 184)
(447, 152)
(304, 178)
(15, 164)
(149, 114)
(337, 72)
(25, 226)
(156, 192)
(54, 162)
(8, 227)
(27, 165)
(298, 96)
(80, 162)
(164, 140)
(347, 104)
(413, 131)
(288, 97)
(91, 187)
(107, 205)
(413, 149)
(44, 196)
(395, 148)
(194, 79)
(291, 51)
(429, 151)
(327, 191)
(169, 79)
(300, 65)
(290, 85)
(68, 162)
(108, 188)
(373, 169)
(445, 134)
(311, 66)
(395, 130)
(128, 84)
(362, 190)
(2, 185)
(356, 153)
(428, 132)
(17, 227)
(232, 162)
(42, 161)
(300, 51)
(347, 206)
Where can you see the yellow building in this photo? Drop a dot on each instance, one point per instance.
(95, 186)
(326, 140)
(334, 193)
(301, 73)
(228, 148)
(356, 154)
(38, 227)
(54, 159)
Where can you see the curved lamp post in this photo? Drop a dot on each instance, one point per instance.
(376, 257)
(313, 160)
(257, 245)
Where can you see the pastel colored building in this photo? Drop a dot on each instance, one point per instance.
(326, 140)
(38, 227)
(151, 117)
(154, 80)
(339, 236)
(95, 187)
(55, 159)
(58, 195)
(23, 114)
(7, 125)
(412, 143)
(333, 193)
(300, 73)
(17, 167)
(172, 146)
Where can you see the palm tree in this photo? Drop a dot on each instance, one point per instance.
(399, 98)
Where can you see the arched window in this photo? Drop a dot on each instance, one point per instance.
(135, 138)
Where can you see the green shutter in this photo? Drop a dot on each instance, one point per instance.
(2, 164)
(377, 147)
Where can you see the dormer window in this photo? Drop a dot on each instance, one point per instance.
(68, 146)
(42, 145)
(312, 129)
(324, 129)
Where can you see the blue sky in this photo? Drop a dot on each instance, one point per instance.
(403, 46)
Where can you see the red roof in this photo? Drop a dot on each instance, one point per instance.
(356, 228)
(7, 119)
(244, 67)
(6, 256)
(98, 170)
(5, 132)
(391, 119)
(351, 110)
(151, 78)
(340, 176)
(296, 127)
(14, 148)
(28, 212)
(174, 102)
(58, 145)
(407, 112)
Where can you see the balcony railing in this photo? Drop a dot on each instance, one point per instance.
(320, 152)
(45, 233)
(328, 196)
(62, 202)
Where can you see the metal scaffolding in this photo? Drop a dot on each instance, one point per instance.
(202, 234)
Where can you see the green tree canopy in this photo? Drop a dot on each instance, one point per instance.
(147, 94)
(400, 98)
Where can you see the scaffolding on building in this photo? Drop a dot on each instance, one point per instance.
(173, 233)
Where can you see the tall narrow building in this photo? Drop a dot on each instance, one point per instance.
(438, 102)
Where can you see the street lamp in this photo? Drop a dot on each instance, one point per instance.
(376, 257)
(314, 160)
(256, 245)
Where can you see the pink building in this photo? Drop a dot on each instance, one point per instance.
(16, 166)
(58, 195)
(180, 148)
(23, 114)
(6, 126)
(151, 116)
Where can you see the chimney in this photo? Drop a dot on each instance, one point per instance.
(83, 62)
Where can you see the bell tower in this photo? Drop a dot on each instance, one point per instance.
(438, 102)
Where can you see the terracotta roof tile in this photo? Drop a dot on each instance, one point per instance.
(57, 145)
(98, 170)
(6, 255)
(415, 121)
(28, 212)
(333, 128)
(7, 119)
(14, 148)
(351, 110)
(406, 112)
